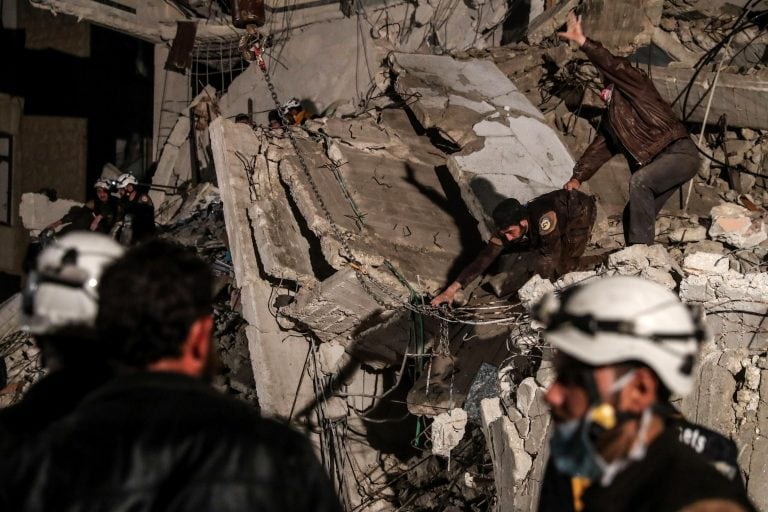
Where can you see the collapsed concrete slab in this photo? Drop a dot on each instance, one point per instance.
(278, 361)
(37, 211)
(508, 150)
(741, 98)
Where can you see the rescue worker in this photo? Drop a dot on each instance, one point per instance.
(158, 436)
(106, 207)
(59, 304)
(554, 227)
(642, 126)
(294, 112)
(138, 210)
(624, 345)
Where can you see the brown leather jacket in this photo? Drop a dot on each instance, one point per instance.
(642, 121)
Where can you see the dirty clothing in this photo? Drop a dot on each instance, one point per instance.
(140, 214)
(652, 185)
(559, 226)
(642, 126)
(670, 477)
(109, 211)
(164, 441)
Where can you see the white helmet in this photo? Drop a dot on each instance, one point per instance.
(126, 179)
(63, 289)
(623, 318)
(291, 103)
(103, 183)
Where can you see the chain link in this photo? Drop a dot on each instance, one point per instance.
(367, 281)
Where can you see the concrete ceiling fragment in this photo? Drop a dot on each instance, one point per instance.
(507, 149)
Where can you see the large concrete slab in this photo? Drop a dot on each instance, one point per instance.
(277, 358)
(740, 97)
(508, 150)
(406, 218)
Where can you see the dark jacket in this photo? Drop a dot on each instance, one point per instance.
(640, 119)
(166, 442)
(109, 211)
(670, 477)
(142, 216)
(559, 225)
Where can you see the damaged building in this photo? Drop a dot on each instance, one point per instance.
(329, 238)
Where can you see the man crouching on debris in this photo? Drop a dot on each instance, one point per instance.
(642, 126)
(624, 345)
(158, 437)
(555, 227)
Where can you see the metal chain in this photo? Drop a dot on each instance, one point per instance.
(367, 281)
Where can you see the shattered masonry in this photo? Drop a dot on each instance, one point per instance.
(422, 118)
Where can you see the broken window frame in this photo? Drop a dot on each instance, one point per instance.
(6, 178)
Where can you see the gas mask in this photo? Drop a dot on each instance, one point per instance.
(572, 445)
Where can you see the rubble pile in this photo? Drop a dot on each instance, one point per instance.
(327, 238)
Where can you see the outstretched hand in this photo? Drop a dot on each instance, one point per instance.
(573, 30)
(572, 184)
(447, 296)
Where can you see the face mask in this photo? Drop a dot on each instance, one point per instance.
(572, 452)
(571, 447)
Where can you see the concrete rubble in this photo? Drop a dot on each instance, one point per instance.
(37, 211)
(423, 122)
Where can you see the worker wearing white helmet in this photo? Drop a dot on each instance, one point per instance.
(293, 111)
(59, 307)
(106, 208)
(138, 210)
(623, 345)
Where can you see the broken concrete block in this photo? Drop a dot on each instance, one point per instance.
(540, 418)
(688, 234)
(335, 307)
(636, 258)
(752, 377)
(706, 263)
(330, 356)
(526, 393)
(510, 460)
(447, 430)
(737, 226)
(532, 291)
(573, 278)
(658, 275)
(37, 211)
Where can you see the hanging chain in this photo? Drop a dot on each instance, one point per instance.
(367, 281)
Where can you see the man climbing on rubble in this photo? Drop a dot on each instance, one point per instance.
(138, 210)
(554, 228)
(158, 436)
(624, 346)
(641, 125)
(59, 306)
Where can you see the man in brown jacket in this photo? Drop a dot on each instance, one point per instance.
(642, 126)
